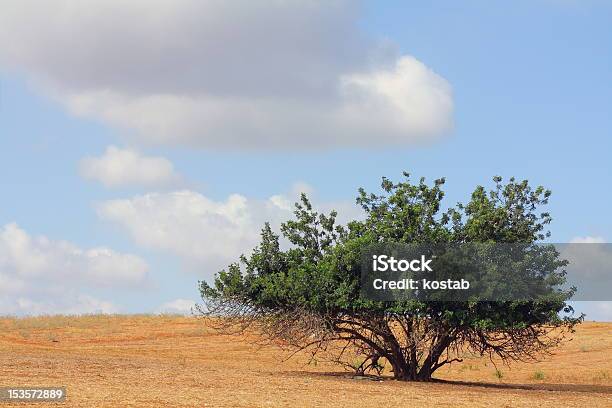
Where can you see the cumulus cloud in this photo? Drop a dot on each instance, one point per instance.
(590, 261)
(228, 75)
(594, 310)
(177, 306)
(69, 303)
(587, 240)
(200, 230)
(127, 167)
(39, 275)
(187, 223)
(589, 268)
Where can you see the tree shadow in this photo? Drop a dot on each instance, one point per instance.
(592, 388)
(586, 388)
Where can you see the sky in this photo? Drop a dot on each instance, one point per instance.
(144, 144)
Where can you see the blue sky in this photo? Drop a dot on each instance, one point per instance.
(530, 96)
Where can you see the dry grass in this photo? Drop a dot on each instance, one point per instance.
(170, 361)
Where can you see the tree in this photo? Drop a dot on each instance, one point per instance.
(307, 297)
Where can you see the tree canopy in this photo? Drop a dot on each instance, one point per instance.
(307, 296)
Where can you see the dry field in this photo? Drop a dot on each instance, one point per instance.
(169, 361)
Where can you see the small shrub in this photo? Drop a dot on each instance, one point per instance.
(499, 374)
(357, 363)
(538, 375)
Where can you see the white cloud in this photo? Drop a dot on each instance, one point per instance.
(202, 231)
(187, 223)
(39, 275)
(589, 269)
(587, 240)
(228, 75)
(70, 304)
(177, 306)
(600, 311)
(590, 260)
(127, 167)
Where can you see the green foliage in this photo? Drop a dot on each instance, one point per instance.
(320, 272)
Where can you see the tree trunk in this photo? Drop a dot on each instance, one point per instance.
(406, 370)
(410, 371)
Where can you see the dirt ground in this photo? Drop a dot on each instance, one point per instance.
(169, 361)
